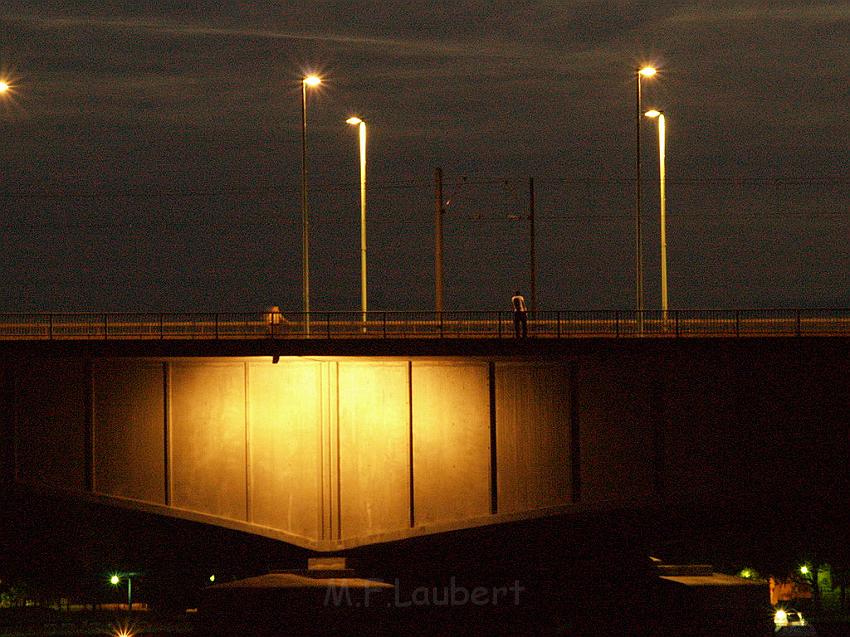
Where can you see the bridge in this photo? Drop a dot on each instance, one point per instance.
(330, 432)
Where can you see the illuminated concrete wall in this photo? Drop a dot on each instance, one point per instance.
(285, 451)
(332, 452)
(451, 441)
(207, 434)
(318, 452)
(374, 448)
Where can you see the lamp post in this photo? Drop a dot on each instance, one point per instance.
(662, 141)
(306, 82)
(4, 87)
(646, 71)
(361, 125)
(115, 580)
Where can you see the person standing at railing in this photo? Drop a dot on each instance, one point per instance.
(520, 315)
(273, 319)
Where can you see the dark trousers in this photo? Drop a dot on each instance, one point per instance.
(521, 320)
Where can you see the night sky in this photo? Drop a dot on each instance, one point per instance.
(150, 153)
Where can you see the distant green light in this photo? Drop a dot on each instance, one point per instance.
(804, 569)
(212, 578)
(114, 580)
(747, 573)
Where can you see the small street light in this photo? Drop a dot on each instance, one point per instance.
(115, 580)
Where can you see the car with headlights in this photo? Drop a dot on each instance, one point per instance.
(788, 621)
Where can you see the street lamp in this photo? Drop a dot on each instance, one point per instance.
(115, 580)
(646, 71)
(361, 125)
(310, 81)
(659, 115)
(4, 86)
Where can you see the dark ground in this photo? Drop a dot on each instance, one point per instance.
(584, 575)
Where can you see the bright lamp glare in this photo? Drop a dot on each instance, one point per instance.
(353, 121)
(781, 618)
(647, 71)
(804, 569)
(114, 580)
(4, 86)
(652, 113)
(312, 80)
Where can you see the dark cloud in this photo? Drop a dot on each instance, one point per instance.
(153, 153)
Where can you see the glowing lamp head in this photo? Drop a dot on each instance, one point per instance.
(647, 71)
(354, 121)
(4, 86)
(781, 617)
(114, 580)
(804, 569)
(653, 113)
(312, 80)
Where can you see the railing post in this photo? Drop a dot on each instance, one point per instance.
(328, 323)
(161, 326)
(799, 331)
(441, 325)
(676, 317)
(617, 323)
(216, 326)
(499, 322)
(385, 323)
(737, 323)
(105, 326)
(50, 327)
(558, 323)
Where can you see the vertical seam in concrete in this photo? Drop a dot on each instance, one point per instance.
(494, 455)
(575, 434)
(321, 463)
(337, 455)
(88, 443)
(249, 504)
(169, 435)
(166, 427)
(411, 493)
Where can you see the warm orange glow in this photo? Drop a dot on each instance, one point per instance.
(4, 86)
(647, 71)
(653, 113)
(312, 80)
(353, 121)
(124, 629)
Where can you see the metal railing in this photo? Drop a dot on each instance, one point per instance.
(432, 325)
